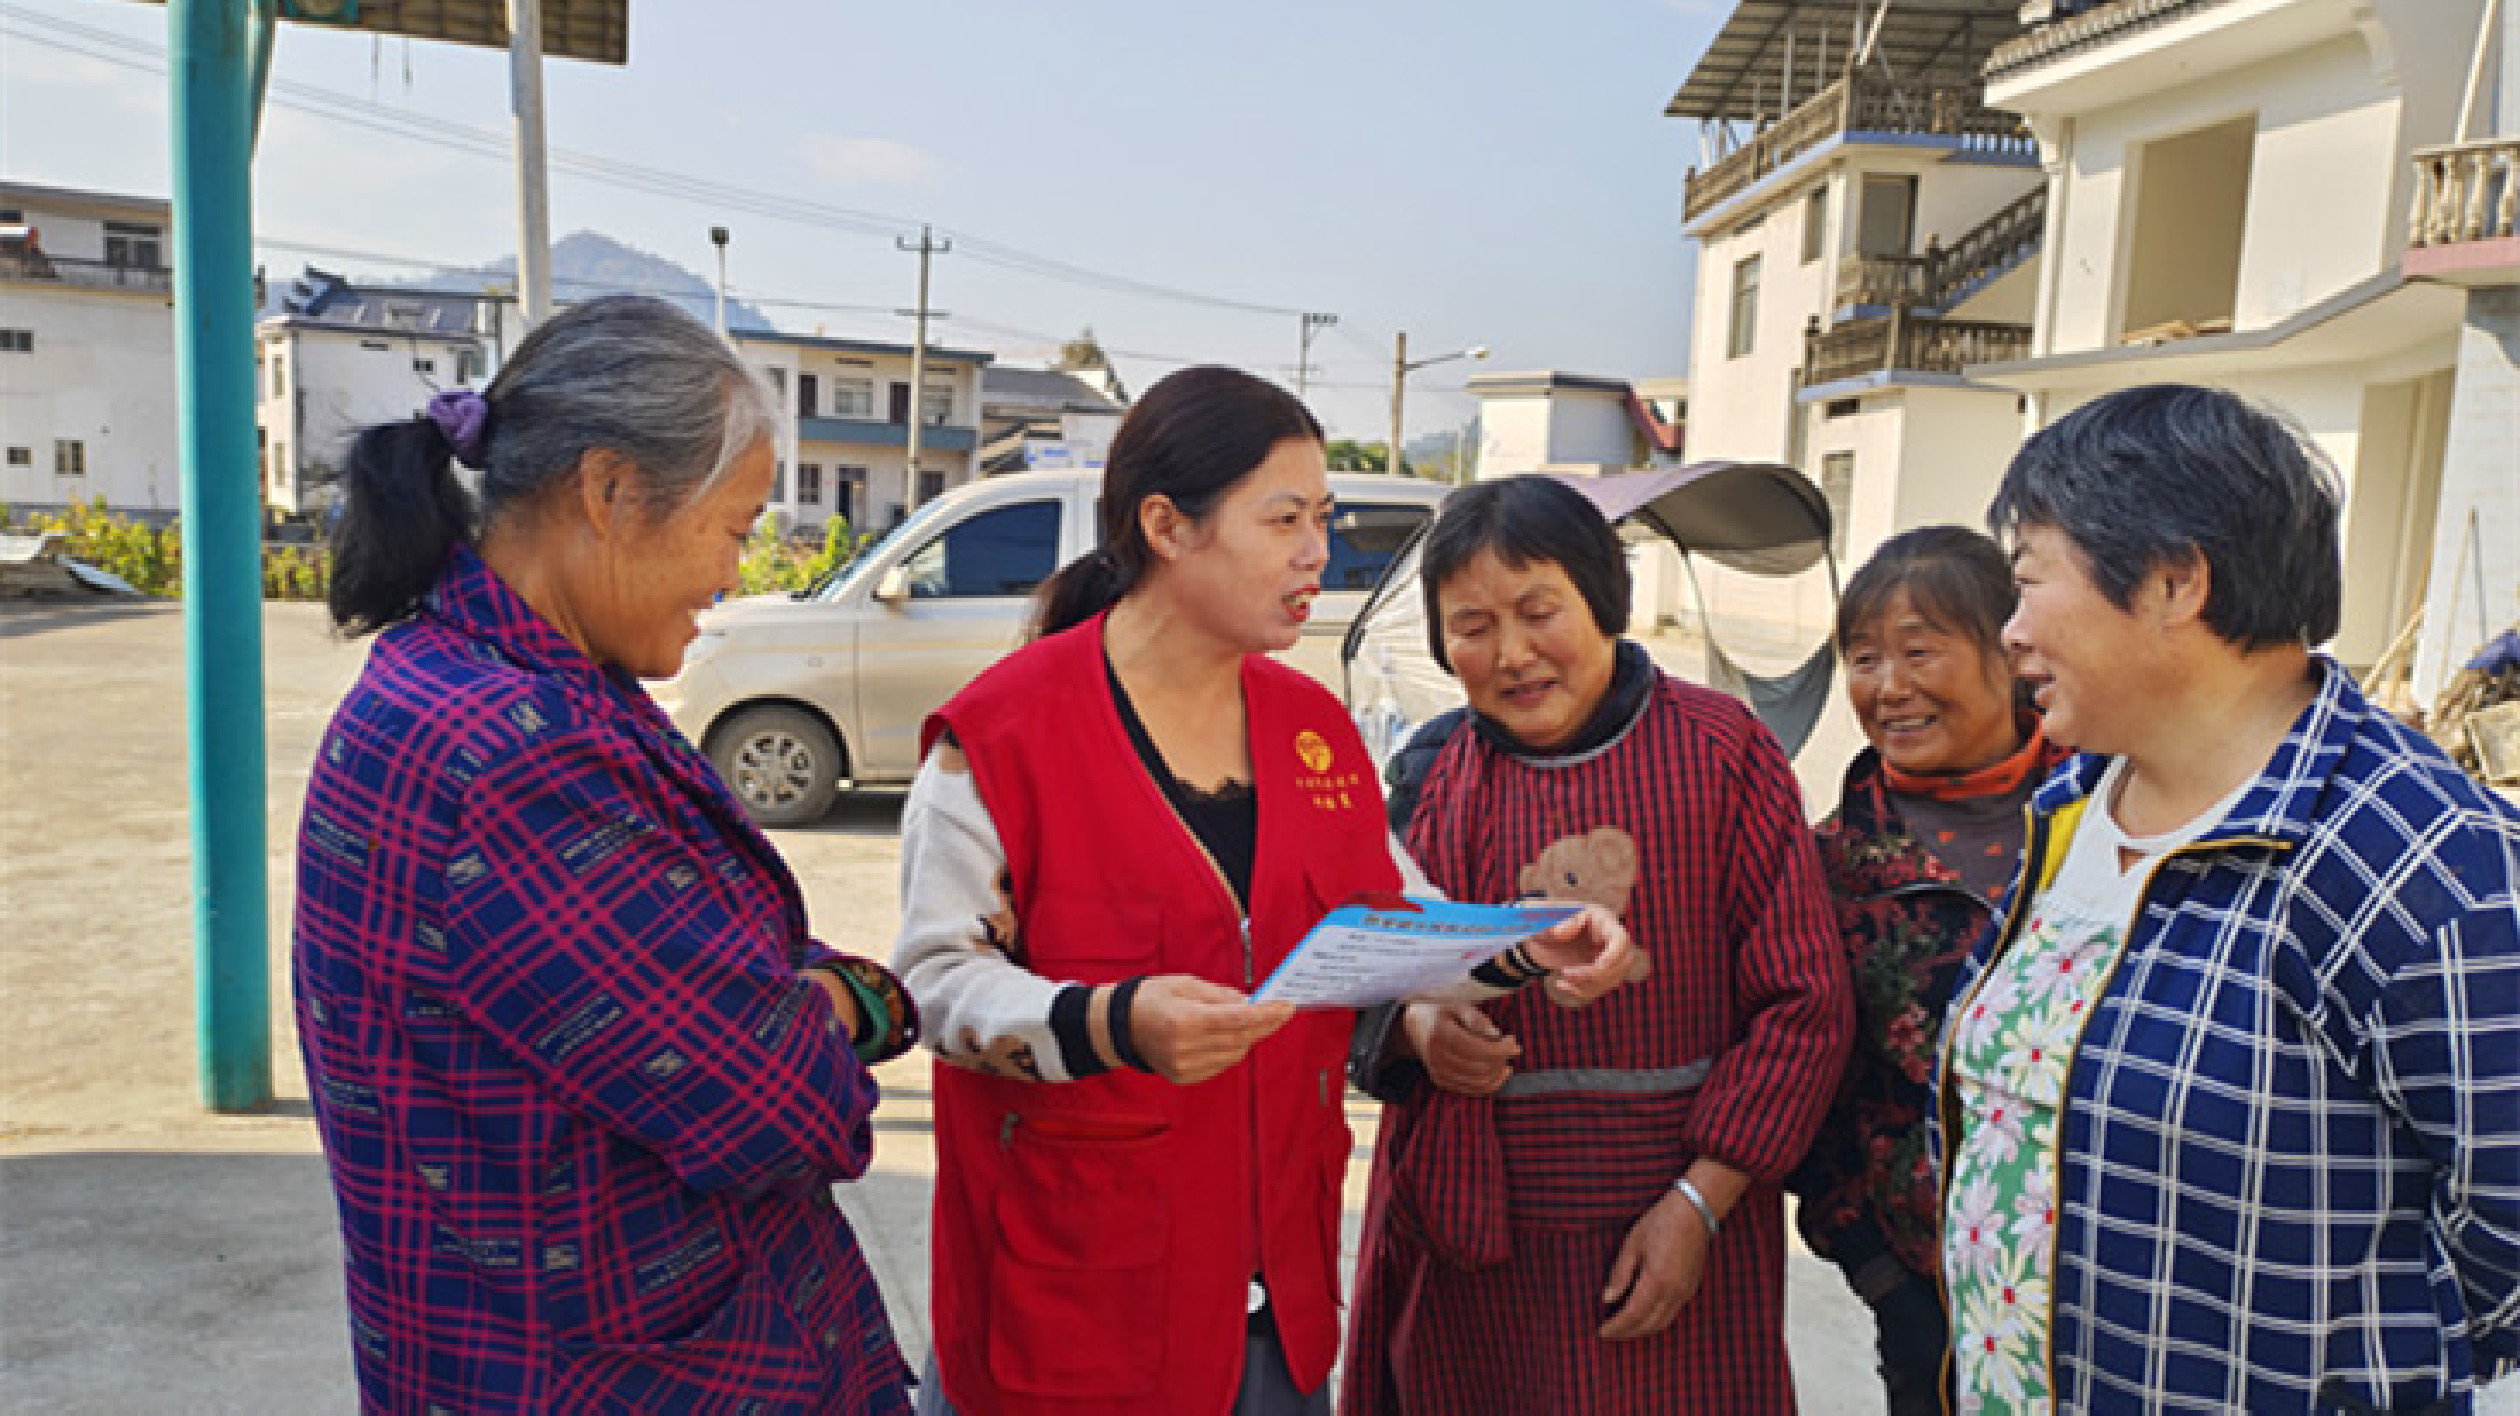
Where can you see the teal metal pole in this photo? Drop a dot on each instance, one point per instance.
(214, 363)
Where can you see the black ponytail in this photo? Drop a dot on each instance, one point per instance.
(402, 510)
(1082, 589)
(1194, 435)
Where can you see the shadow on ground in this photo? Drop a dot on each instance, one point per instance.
(20, 619)
(144, 1281)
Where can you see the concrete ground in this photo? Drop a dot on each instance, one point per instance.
(154, 1257)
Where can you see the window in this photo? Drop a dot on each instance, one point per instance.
(848, 493)
(17, 341)
(808, 396)
(1842, 408)
(468, 364)
(128, 243)
(279, 464)
(809, 484)
(1745, 308)
(424, 366)
(778, 382)
(1815, 224)
(21, 457)
(69, 458)
(852, 397)
(1888, 224)
(377, 346)
(1364, 536)
(2190, 208)
(931, 485)
(899, 411)
(1837, 487)
(279, 376)
(1006, 551)
(778, 482)
(936, 405)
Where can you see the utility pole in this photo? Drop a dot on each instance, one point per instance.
(533, 182)
(1313, 324)
(1399, 381)
(717, 238)
(928, 246)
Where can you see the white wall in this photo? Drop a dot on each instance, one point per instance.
(334, 383)
(2324, 182)
(102, 372)
(1743, 406)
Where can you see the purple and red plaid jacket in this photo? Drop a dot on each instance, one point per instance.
(583, 1115)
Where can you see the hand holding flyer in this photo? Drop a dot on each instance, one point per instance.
(1383, 948)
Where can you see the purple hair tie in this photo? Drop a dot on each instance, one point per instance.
(463, 419)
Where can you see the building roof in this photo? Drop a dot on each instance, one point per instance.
(319, 299)
(1047, 389)
(1933, 44)
(772, 338)
(27, 194)
(1540, 382)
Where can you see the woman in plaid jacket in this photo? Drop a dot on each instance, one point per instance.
(2230, 1110)
(584, 1080)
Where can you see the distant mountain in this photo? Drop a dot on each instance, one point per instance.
(586, 264)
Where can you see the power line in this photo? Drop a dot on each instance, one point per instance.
(486, 142)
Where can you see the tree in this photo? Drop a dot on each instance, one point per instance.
(1349, 455)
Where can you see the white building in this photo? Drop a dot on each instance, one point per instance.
(844, 431)
(2274, 196)
(337, 358)
(1551, 420)
(1045, 418)
(87, 352)
(1867, 227)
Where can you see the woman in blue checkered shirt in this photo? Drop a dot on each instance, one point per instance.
(2230, 1108)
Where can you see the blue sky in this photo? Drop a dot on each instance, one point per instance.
(1471, 171)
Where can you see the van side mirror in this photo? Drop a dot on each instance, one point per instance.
(893, 586)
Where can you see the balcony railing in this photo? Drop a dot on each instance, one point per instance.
(1944, 276)
(1904, 342)
(92, 275)
(1862, 102)
(2465, 192)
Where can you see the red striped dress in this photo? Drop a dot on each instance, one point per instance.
(1493, 1222)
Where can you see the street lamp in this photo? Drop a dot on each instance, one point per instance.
(717, 238)
(1401, 365)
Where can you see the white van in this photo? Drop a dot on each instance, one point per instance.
(796, 697)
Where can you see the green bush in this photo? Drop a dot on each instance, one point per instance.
(152, 557)
(774, 562)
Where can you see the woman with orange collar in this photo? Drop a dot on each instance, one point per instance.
(1918, 855)
(1118, 832)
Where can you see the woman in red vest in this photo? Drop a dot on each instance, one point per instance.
(1119, 831)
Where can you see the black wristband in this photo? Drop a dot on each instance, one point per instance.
(1123, 1044)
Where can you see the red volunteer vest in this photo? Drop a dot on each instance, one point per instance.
(1094, 1239)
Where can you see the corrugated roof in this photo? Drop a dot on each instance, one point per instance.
(572, 29)
(1047, 387)
(1933, 44)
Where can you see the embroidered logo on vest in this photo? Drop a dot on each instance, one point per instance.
(1315, 752)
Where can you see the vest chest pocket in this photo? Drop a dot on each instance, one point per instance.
(1078, 1297)
(1092, 936)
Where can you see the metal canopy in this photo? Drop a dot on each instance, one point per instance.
(595, 30)
(1933, 44)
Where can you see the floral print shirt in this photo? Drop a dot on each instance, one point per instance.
(2012, 1049)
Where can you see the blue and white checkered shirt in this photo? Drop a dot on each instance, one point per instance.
(2290, 1177)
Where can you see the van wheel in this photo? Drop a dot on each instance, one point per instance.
(781, 763)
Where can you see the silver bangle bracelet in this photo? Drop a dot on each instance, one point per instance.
(1698, 1202)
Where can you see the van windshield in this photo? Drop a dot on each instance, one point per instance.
(836, 583)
